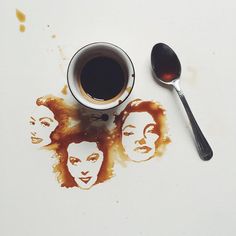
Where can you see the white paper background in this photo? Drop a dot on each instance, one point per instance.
(176, 195)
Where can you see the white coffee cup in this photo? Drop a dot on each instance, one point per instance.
(85, 55)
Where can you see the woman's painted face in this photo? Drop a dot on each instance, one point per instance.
(42, 123)
(139, 136)
(84, 163)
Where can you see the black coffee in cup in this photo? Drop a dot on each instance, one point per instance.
(100, 75)
(102, 78)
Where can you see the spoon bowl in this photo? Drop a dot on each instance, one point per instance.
(167, 69)
(165, 63)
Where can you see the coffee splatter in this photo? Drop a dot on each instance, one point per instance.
(21, 18)
(20, 15)
(128, 90)
(62, 54)
(64, 90)
(22, 28)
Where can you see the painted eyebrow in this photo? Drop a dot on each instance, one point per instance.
(32, 118)
(73, 157)
(148, 125)
(129, 126)
(93, 154)
(42, 118)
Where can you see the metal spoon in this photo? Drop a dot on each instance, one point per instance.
(167, 68)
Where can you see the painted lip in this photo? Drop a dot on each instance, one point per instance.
(143, 149)
(36, 140)
(85, 179)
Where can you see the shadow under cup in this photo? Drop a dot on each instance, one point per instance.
(100, 76)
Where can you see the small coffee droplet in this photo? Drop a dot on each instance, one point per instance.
(64, 90)
(22, 28)
(20, 15)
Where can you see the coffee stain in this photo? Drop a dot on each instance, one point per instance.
(21, 18)
(64, 90)
(54, 36)
(77, 124)
(62, 54)
(128, 90)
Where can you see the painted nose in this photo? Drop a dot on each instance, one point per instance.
(84, 172)
(140, 141)
(33, 133)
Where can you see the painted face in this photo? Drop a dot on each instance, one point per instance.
(139, 136)
(42, 123)
(84, 163)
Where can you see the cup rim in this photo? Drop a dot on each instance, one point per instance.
(118, 101)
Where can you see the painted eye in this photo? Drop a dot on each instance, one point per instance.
(32, 122)
(45, 123)
(93, 158)
(151, 128)
(74, 161)
(126, 133)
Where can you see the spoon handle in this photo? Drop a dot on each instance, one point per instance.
(204, 149)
